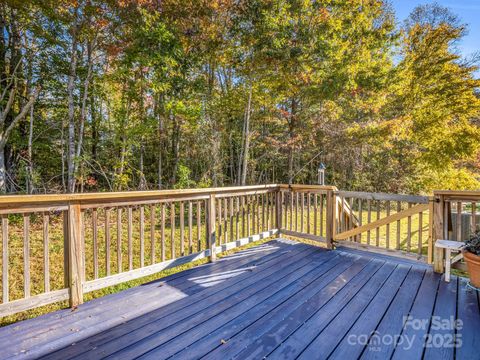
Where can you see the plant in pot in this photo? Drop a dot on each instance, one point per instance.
(471, 255)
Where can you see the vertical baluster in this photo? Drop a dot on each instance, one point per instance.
(285, 202)
(162, 228)
(420, 229)
(369, 218)
(190, 225)
(172, 230)
(321, 214)
(142, 236)
(269, 206)
(119, 240)
(152, 234)
(387, 229)
(308, 212)
(237, 218)
(107, 241)
(474, 217)
(351, 216)
(199, 223)
(219, 227)
(182, 229)
(5, 291)
(243, 216)
(257, 212)
(302, 212)
(399, 208)
(360, 218)
(296, 211)
(46, 253)
(263, 213)
(95, 243)
(26, 254)
(273, 207)
(377, 238)
(225, 219)
(252, 206)
(290, 194)
(248, 199)
(230, 207)
(459, 221)
(130, 238)
(409, 230)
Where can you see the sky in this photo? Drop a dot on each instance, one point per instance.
(467, 10)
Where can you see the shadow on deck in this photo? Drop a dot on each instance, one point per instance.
(278, 300)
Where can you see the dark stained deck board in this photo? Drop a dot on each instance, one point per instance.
(303, 337)
(249, 257)
(330, 336)
(294, 308)
(183, 308)
(278, 300)
(468, 331)
(422, 310)
(392, 322)
(445, 307)
(197, 311)
(287, 282)
(108, 313)
(258, 324)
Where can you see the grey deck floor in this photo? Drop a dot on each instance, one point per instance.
(280, 300)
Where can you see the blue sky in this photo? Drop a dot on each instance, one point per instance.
(467, 10)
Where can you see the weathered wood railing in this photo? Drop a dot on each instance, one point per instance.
(59, 247)
(456, 217)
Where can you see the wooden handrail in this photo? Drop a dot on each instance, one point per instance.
(82, 198)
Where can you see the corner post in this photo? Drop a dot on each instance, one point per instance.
(331, 218)
(73, 253)
(211, 228)
(438, 232)
(279, 206)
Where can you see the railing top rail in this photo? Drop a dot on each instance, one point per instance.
(300, 187)
(19, 200)
(384, 196)
(468, 195)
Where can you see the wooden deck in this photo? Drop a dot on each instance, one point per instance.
(278, 300)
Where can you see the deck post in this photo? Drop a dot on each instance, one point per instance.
(211, 227)
(438, 232)
(331, 216)
(73, 253)
(278, 207)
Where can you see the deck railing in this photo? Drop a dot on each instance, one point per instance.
(60, 247)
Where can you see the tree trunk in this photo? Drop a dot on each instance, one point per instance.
(3, 172)
(71, 114)
(247, 139)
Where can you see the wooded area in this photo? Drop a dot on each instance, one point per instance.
(146, 94)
